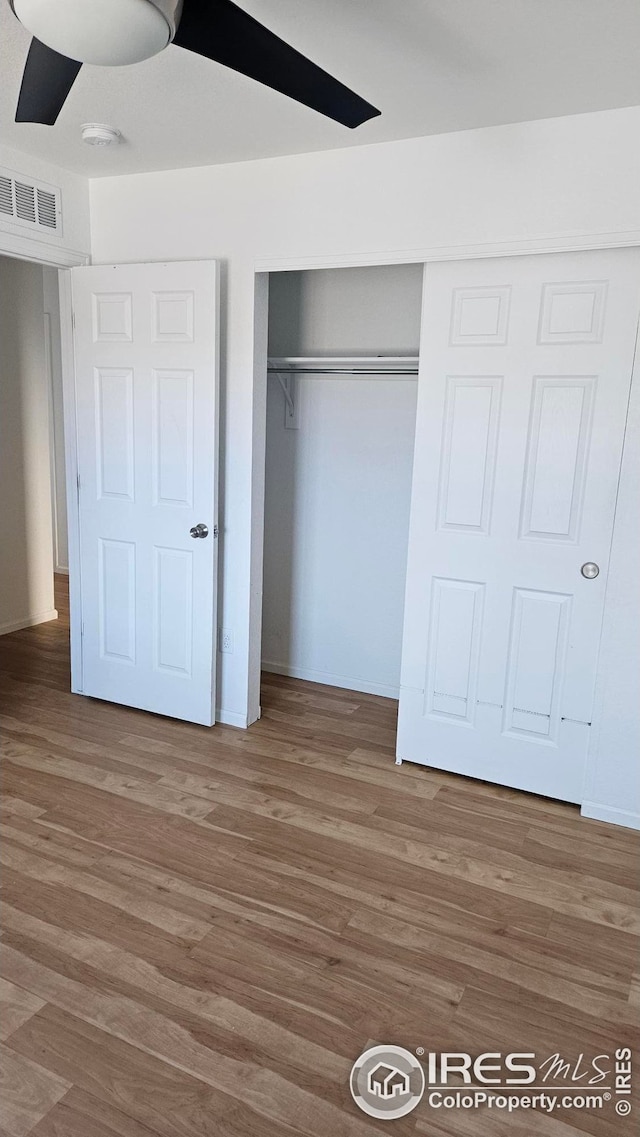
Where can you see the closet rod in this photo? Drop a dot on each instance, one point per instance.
(341, 371)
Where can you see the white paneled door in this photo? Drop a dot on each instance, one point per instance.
(146, 348)
(525, 373)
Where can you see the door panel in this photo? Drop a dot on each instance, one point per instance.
(146, 343)
(525, 368)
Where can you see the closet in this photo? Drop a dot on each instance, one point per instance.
(519, 420)
(341, 404)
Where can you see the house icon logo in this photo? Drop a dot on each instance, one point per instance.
(387, 1082)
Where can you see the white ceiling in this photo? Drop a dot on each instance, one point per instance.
(432, 66)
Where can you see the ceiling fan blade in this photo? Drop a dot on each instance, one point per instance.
(221, 31)
(48, 77)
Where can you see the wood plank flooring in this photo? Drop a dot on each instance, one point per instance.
(203, 929)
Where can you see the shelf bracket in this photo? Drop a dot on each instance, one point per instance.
(287, 381)
(287, 390)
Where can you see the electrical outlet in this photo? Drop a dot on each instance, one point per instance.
(225, 638)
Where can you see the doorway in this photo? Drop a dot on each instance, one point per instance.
(341, 403)
(33, 551)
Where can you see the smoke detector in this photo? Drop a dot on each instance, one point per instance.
(97, 134)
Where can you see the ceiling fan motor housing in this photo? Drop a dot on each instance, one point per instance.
(104, 32)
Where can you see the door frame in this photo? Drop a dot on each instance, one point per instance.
(72, 477)
(26, 248)
(38, 252)
(262, 270)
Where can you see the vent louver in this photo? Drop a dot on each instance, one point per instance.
(47, 211)
(6, 195)
(26, 202)
(29, 203)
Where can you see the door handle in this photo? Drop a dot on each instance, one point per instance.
(590, 570)
(199, 530)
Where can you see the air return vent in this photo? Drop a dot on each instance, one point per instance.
(25, 202)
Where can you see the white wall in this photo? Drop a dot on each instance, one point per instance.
(539, 184)
(336, 531)
(26, 546)
(338, 488)
(348, 311)
(56, 416)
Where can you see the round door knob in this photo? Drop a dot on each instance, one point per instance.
(199, 530)
(590, 570)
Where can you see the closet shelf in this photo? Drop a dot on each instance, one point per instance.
(344, 365)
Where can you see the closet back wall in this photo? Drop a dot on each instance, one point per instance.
(338, 488)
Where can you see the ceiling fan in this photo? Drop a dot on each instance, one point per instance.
(68, 33)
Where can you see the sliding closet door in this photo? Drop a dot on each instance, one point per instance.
(525, 373)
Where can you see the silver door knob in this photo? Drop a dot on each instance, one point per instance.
(199, 530)
(590, 570)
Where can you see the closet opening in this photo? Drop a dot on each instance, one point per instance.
(341, 406)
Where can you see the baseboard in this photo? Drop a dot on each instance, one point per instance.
(62, 569)
(28, 621)
(611, 814)
(348, 682)
(231, 718)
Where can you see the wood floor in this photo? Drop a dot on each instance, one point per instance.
(204, 928)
